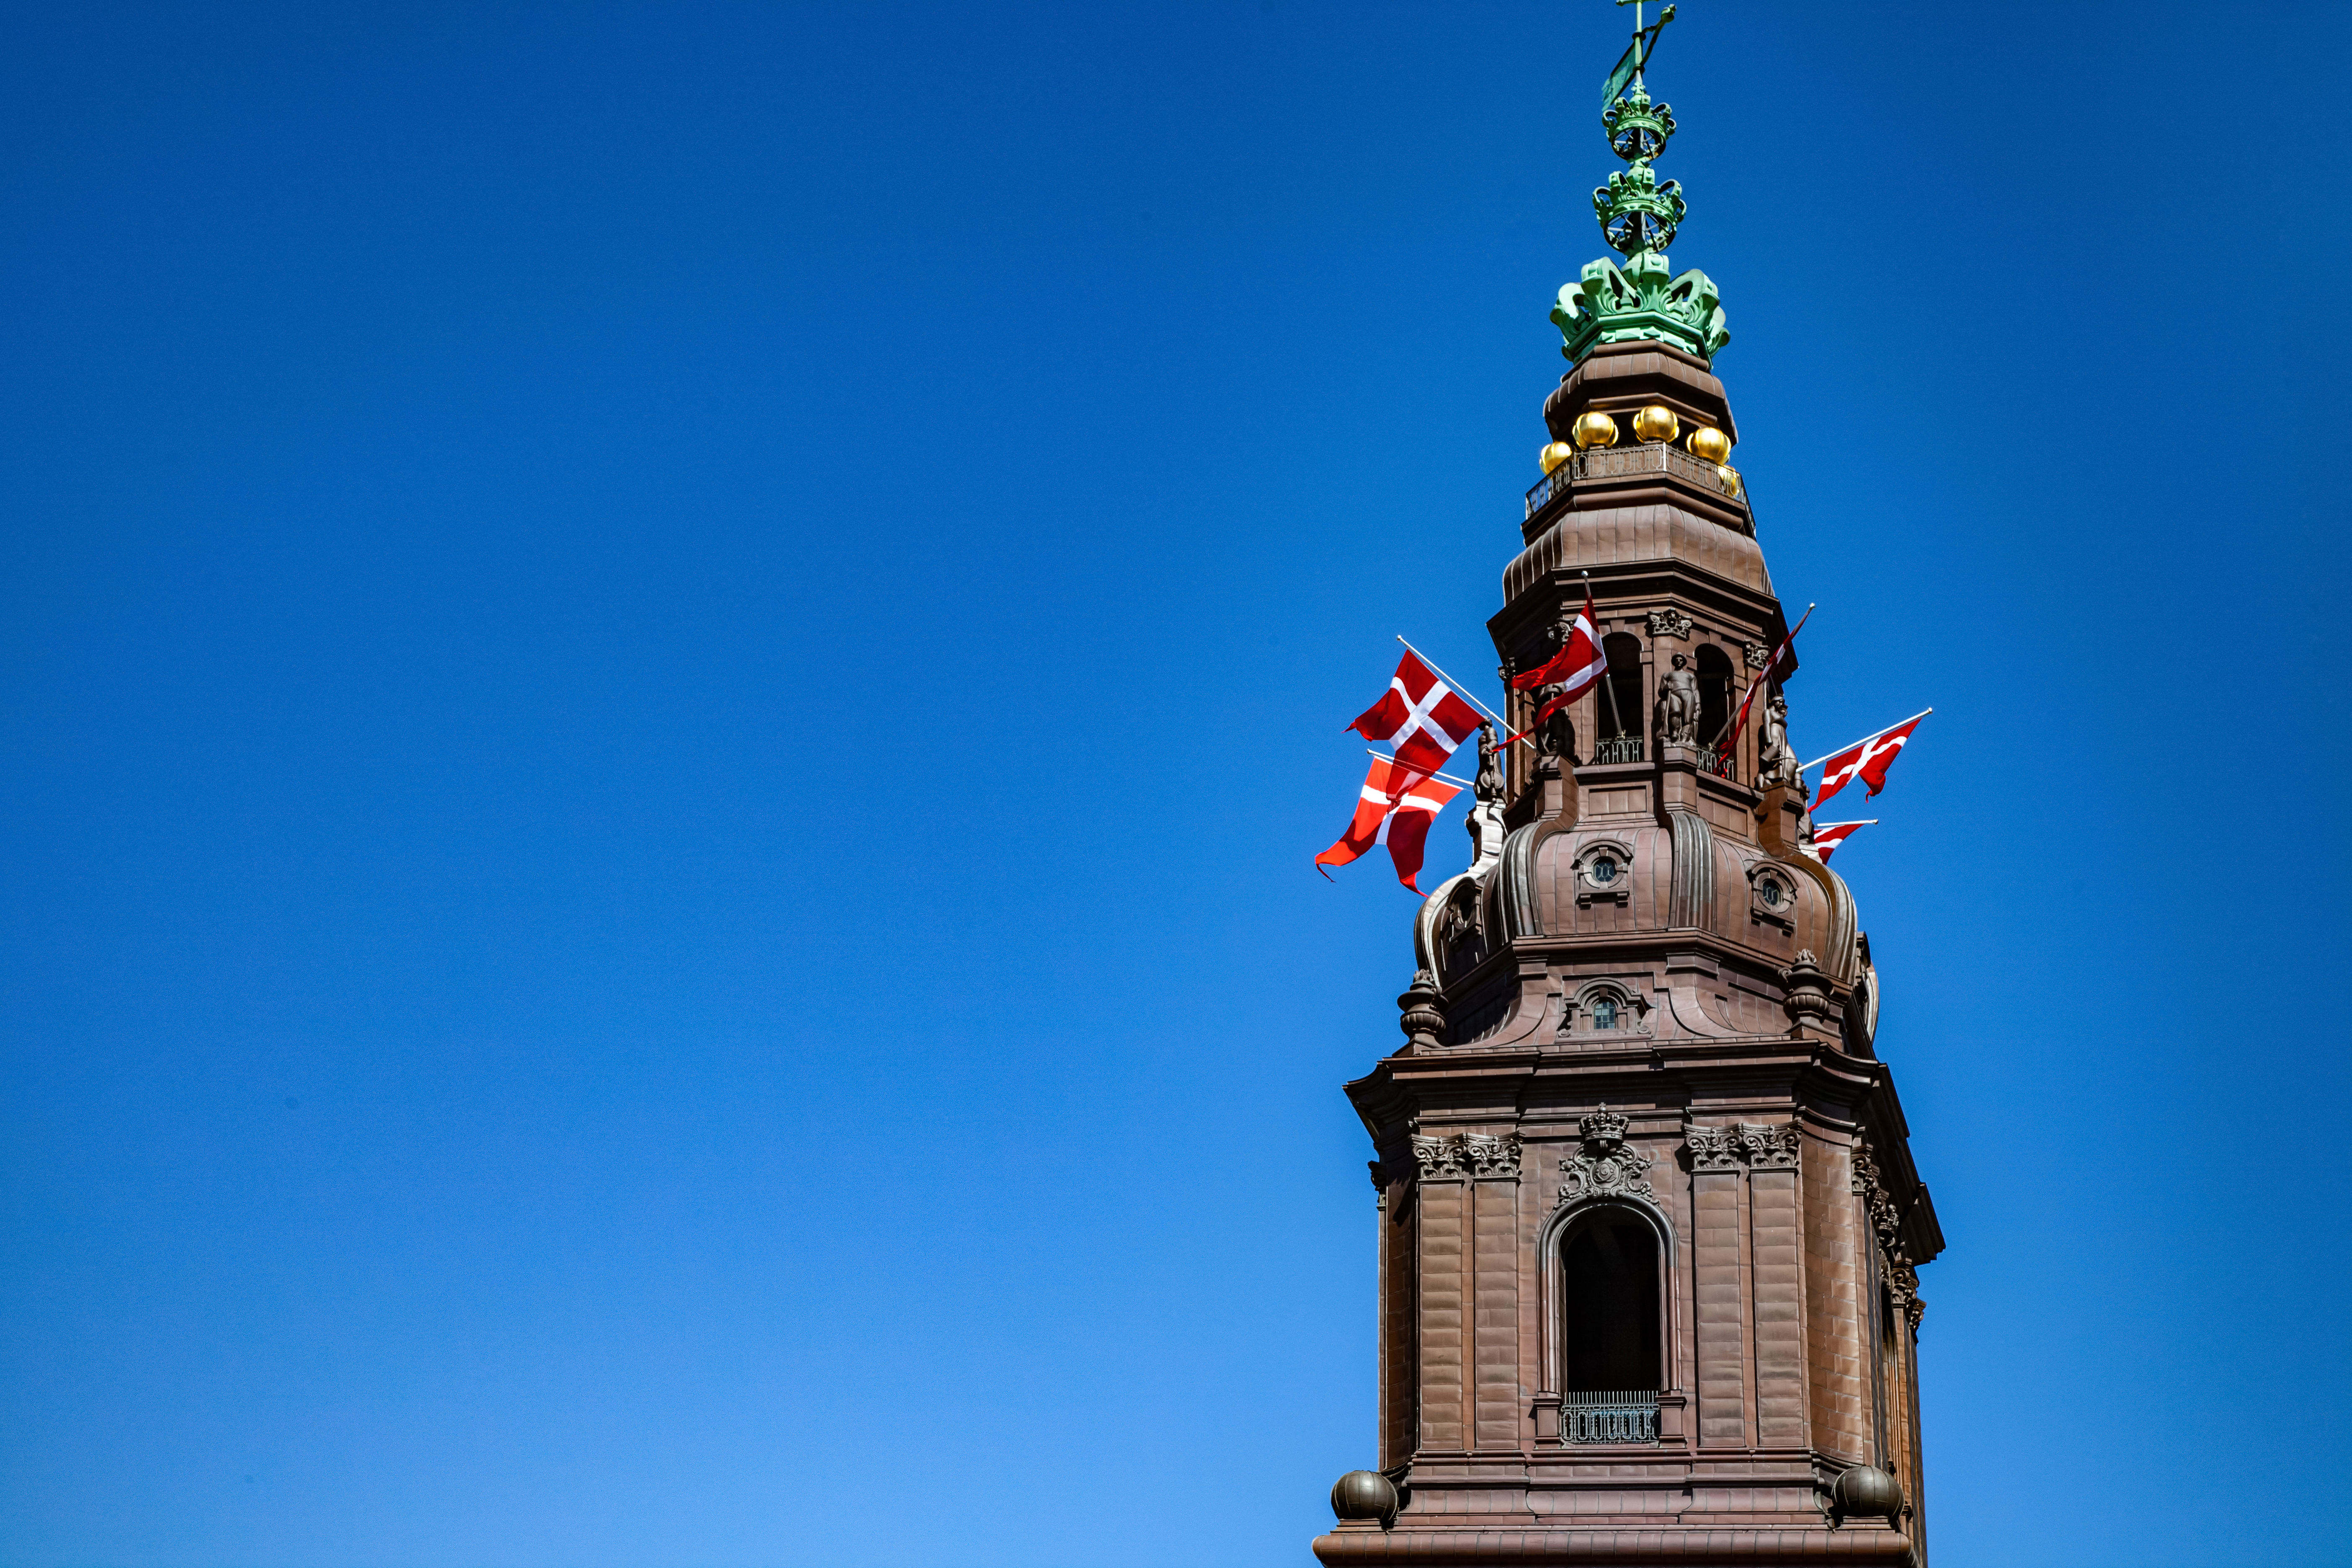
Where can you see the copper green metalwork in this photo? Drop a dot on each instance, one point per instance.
(1639, 216)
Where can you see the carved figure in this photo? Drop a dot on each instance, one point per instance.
(1489, 784)
(1556, 736)
(1776, 763)
(1678, 705)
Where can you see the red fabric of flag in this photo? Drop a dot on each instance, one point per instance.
(1395, 807)
(1865, 760)
(1420, 718)
(1771, 667)
(1828, 835)
(1577, 665)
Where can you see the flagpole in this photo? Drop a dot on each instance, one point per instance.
(1600, 646)
(1465, 691)
(1841, 751)
(1865, 822)
(1749, 695)
(1449, 778)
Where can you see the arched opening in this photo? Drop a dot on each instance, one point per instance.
(1609, 1329)
(1618, 704)
(1715, 694)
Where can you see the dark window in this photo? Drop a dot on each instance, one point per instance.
(1620, 702)
(1715, 694)
(1610, 1299)
(1604, 1013)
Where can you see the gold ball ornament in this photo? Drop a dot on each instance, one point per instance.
(1595, 428)
(1657, 423)
(1553, 455)
(1709, 445)
(1730, 478)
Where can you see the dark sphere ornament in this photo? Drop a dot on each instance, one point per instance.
(1364, 1494)
(1868, 1492)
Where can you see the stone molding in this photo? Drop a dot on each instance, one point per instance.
(1669, 623)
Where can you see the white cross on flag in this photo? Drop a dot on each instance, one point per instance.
(1577, 665)
(1828, 835)
(1420, 718)
(1867, 760)
(1395, 807)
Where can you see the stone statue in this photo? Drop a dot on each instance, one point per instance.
(1556, 736)
(1776, 764)
(1678, 705)
(1488, 785)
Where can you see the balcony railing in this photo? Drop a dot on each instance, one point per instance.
(1720, 763)
(1618, 749)
(1613, 1417)
(1628, 462)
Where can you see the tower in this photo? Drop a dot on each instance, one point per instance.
(1648, 1226)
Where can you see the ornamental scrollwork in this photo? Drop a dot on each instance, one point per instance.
(1467, 1154)
(1669, 623)
(1772, 1148)
(1897, 1277)
(1712, 1149)
(1757, 1146)
(1755, 654)
(1607, 1167)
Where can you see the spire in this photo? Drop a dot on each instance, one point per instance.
(1639, 216)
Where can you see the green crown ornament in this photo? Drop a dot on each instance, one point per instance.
(1639, 216)
(1646, 299)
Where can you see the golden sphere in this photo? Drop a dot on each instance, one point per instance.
(1709, 445)
(1730, 478)
(1553, 455)
(1595, 428)
(1657, 423)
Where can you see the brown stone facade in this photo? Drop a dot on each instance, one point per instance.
(1650, 1226)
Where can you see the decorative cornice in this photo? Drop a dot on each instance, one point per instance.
(1900, 1279)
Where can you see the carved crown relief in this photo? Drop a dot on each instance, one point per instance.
(1467, 1154)
(1754, 1145)
(1607, 1167)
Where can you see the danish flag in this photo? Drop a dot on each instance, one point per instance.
(1579, 663)
(1867, 760)
(1828, 835)
(1739, 720)
(1395, 808)
(1420, 718)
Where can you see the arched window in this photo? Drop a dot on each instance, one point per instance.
(1715, 694)
(1618, 704)
(1604, 1013)
(1610, 1336)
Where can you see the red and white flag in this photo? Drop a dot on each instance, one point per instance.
(1828, 835)
(1772, 668)
(1420, 718)
(1395, 807)
(1579, 663)
(1867, 760)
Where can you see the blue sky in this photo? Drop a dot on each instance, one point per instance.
(670, 673)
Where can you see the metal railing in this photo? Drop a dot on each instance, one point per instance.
(1625, 462)
(1618, 749)
(1720, 763)
(1617, 1417)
